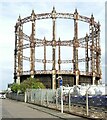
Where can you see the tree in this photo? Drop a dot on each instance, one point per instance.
(31, 83)
(15, 87)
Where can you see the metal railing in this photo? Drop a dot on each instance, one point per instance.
(52, 99)
(71, 103)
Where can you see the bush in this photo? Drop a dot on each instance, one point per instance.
(15, 87)
(31, 83)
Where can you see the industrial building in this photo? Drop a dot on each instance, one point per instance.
(90, 42)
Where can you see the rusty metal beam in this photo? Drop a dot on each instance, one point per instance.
(32, 45)
(75, 43)
(86, 54)
(58, 16)
(98, 51)
(15, 56)
(57, 61)
(92, 44)
(54, 42)
(20, 49)
(69, 43)
(54, 49)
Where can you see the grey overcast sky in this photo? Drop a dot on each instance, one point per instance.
(9, 12)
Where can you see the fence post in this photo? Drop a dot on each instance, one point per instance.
(41, 97)
(61, 99)
(57, 98)
(87, 104)
(47, 97)
(61, 89)
(69, 100)
(17, 96)
(87, 108)
(25, 97)
(34, 97)
(28, 96)
(31, 96)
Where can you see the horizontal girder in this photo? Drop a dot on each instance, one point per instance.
(70, 72)
(50, 61)
(57, 15)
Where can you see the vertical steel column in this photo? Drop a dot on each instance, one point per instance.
(21, 47)
(44, 54)
(20, 51)
(75, 47)
(99, 54)
(32, 46)
(86, 54)
(92, 44)
(92, 49)
(15, 55)
(59, 55)
(76, 44)
(98, 51)
(54, 50)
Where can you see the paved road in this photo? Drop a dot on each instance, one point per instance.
(15, 109)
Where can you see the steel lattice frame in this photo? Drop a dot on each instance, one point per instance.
(91, 42)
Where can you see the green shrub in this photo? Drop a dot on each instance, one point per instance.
(15, 87)
(31, 83)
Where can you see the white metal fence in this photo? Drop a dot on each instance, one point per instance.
(52, 99)
(43, 97)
